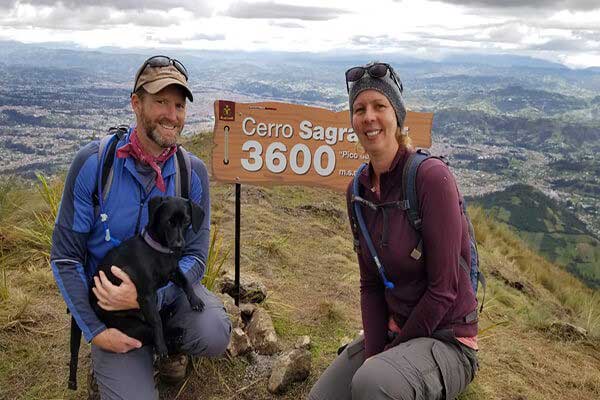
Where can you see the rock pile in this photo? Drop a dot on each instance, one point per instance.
(254, 335)
(567, 331)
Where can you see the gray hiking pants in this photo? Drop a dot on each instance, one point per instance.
(130, 376)
(420, 369)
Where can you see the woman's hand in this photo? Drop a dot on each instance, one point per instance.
(112, 297)
(115, 341)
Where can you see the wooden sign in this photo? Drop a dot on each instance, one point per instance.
(287, 144)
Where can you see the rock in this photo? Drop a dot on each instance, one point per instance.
(293, 366)
(260, 367)
(247, 309)
(232, 310)
(567, 331)
(303, 342)
(254, 195)
(251, 289)
(239, 343)
(325, 209)
(261, 332)
(513, 279)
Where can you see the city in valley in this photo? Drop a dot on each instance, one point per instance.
(498, 125)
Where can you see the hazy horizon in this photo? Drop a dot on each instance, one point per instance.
(563, 31)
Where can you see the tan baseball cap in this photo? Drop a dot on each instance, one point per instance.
(155, 79)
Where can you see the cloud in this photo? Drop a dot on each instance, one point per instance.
(573, 5)
(198, 8)
(89, 18)
(204, 36)
(269, 9)
(182, 39)
(568, 45)
(291, 25)
(378, 42)
(588, 35)
(512, 32)
(524, 34)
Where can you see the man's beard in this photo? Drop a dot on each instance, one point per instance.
(152, 133)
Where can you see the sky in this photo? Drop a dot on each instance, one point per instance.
(564, 31)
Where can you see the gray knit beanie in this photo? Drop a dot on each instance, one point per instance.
(384, 85)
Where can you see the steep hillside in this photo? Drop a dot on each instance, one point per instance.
(296, 240)
(549, 228)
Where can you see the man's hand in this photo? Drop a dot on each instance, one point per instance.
(112, 297)
(115, 341)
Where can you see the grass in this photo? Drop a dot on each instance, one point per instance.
(26, 232)
(4, 293)
(217, 256)
(297, 242)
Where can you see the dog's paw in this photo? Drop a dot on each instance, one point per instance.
(196, 304)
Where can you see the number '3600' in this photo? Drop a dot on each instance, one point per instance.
(300, 158)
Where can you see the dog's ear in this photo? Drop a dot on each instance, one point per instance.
(153, 206)
(197, 215)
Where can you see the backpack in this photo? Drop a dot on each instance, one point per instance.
(106, 157)
(410, 203)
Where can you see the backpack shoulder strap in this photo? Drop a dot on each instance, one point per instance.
(410, 200)
(409, 187)
(183, 173)
(350, 204)
(106, 152)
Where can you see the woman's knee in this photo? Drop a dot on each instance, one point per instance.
(314, 394)
(376, 379)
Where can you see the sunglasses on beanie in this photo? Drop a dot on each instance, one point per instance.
(376, 70)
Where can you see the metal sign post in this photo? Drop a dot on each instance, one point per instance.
(238, 215)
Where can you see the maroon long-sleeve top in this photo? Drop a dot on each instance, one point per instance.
(431, 293)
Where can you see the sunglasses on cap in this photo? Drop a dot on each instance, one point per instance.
(376, 70)
(160, 61)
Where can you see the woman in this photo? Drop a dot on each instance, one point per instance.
(420, 336)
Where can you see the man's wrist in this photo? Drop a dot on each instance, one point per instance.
(98, 332)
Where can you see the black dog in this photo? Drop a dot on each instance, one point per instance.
(151, 260)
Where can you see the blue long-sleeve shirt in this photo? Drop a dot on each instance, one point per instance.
(78, 240)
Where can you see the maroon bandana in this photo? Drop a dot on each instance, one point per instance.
(134, 150)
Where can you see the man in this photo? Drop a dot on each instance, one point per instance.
(144, 167)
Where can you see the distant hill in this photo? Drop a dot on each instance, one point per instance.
(548, 227)
(514, 98)
(548, 134)
(502, 60)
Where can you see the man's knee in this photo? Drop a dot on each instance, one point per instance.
(374, 380)
(115, 372)
(208, 337)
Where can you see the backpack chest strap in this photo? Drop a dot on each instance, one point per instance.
(384, 207)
